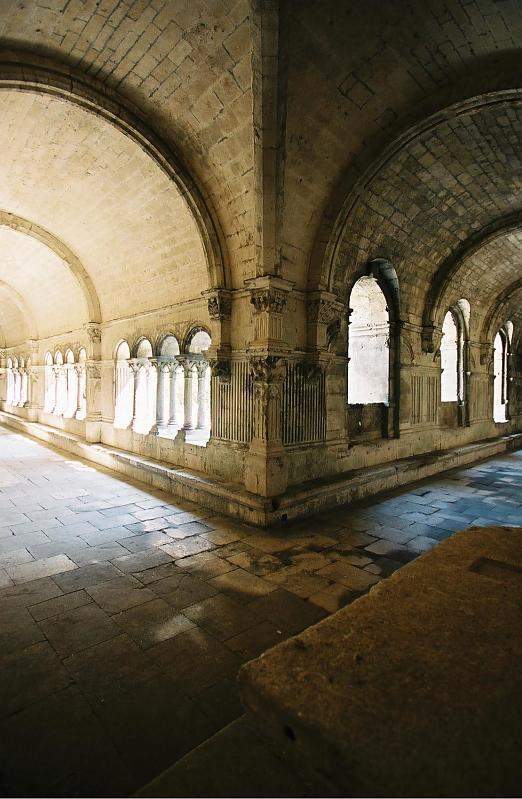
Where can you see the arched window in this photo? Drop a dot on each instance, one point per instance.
(449, 359)
(500, 372)
(199, 342)
(123, 387)
(368, 344)
(49, 385)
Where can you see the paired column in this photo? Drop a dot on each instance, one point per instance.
(203, 420)
(174, 374)
(188, 404)
(162, 405)
(80, 392)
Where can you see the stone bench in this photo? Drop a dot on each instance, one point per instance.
(416, 688)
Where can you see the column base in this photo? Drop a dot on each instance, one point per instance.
(93, 430)
(266, 472)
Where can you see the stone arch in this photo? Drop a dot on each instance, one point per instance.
(449, 268)
(142, 348)
(17, 72)
(493, 316)
(74, 264)
(122, 350)
(327, 254)
(22, 307)
(167, 341)
(192, 333)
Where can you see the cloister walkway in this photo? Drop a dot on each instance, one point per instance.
(125, 614)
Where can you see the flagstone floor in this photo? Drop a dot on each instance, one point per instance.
(125, 614)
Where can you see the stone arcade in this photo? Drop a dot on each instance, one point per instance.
(263, 256)
(344, 260)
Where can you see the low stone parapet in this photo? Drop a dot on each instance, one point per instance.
(416, 688)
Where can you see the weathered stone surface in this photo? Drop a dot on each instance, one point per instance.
(415, 689)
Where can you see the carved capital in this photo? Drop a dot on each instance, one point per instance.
(267, 368)
(431, 336)
(311, 371)
(323, 308)
(201, 368)
(93, 371)
(219, 304)
(93, 332)
(486, 354)
(333, 331)
(220, 368)
(268, 299)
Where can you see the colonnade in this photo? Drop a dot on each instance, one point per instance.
(162, 395)
(65, 386)
(17, 391)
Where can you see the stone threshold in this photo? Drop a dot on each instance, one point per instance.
(233, 500)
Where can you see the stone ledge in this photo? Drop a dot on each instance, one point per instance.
(413, 690)
(233, 500)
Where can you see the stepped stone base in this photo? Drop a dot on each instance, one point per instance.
(233, 500)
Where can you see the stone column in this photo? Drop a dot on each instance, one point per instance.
(80, 392)
(188, 423)
(266, 469)
(162, 408)
(93, 383)
(173, 369)
(92, 408)
(202, 418)
(57, 386)
(137, 372)
(23, 388)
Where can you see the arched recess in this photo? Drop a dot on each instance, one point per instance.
(385, 276)
(33, 230)
(448, 269)
(17, 72)
(22, 307)
(331, 249)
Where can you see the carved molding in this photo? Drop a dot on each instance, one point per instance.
(322, 310)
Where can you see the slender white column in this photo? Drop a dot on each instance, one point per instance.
(162, 408)
(173, 382)
(202, 418)
(56, 408)
(137, 370)
(81, 399)
(23, 388)
(187, 397)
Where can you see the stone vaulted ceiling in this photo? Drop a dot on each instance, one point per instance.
(75, 175)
